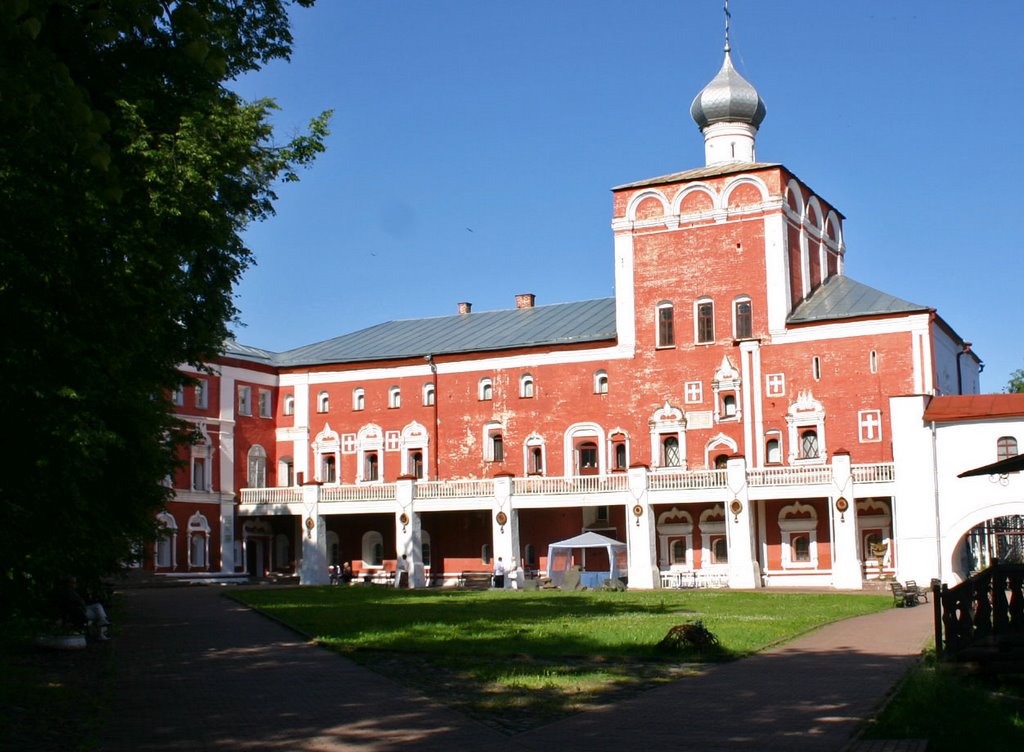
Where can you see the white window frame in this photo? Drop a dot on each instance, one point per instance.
(323, 402)
(775, 436)
(667, 421)
(601, 382)
(873, 361)
(326, 443)
(794, 527)
(256, 467)
(165, 550)
(394, 397)
(736, 318)
(370, 439)
(178, 396)
(265, 403)
(658, 334)
(534, 442)
(429, 394)
(372, 539)
(696, 321)
(198, 530)
(244, 400)
(675, 525)
(712, 526)
(490, 431)
(358, 399)
(485, 390)
(289, 405)
(806, 413)
(202, 394)
(527, 386)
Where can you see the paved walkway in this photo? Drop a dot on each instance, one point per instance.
(199, 672)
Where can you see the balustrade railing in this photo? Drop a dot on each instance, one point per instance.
(454, 489)
(578, 484)
(686, 480)
(879, 472)
(367, 492)
(659, 480)
(789, 476)
(277, 495)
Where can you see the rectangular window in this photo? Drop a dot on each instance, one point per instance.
(329, 469)
(264, 398)
(202, 394)
(497, 448)
(666, 326)
(245, 400)
(178, 397)
(705, 322)
(744, 320)
(198, 474)
(816, 368)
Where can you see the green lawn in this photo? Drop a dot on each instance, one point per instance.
(954, 710)
(516, 659)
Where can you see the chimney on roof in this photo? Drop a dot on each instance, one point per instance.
(525, 300)
(465, 307)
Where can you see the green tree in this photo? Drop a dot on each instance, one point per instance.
(128, 170)
(1016, 382)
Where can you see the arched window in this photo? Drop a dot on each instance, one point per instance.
(704, 317)
(1006, 447)
(536, 460)
(678, 552)
(773, 452)
(526, 386)
(257, 476)
(485, 389)
(587, 461)
(323, 402)
(394, 397)
(372, 470)
(619, 454)
(670, 451)
(289, 405)
(729, 406)
(198, 541)
(358, 399)
(808, 444)
(165, 554)
(428, 394)
(416, 463)
(485, 553)
(743, 319)
(373, 549)
(600, 382)
(328, 469)
(801, 545)
(494, 443)
(721, 462)
(666, 324)
(719, 551)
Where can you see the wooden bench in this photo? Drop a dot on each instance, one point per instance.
(476, 580)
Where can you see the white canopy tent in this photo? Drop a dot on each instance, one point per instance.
(560, 555)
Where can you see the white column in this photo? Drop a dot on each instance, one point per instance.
(504, 524)
(739, 528)
(846, 568)
(313, 532)
(640, 533)
(227, 536)
(408, 531)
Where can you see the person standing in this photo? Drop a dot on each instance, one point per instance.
(499, 574)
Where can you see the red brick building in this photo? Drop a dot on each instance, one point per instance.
(726, 414)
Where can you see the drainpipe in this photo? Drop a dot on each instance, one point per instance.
(959, 374)
(935, 483)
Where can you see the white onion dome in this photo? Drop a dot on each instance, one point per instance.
(728, 98)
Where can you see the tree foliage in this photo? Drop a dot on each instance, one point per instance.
(1016, 382)
(128, 170)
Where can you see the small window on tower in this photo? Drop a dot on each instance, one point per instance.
(666, 325)
(705, 322)
(744, 319)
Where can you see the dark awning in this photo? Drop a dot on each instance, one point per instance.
(1009, 465)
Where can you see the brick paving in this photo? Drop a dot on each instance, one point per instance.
(200, 672)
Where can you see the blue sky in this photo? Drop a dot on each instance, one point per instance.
(474, 144)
